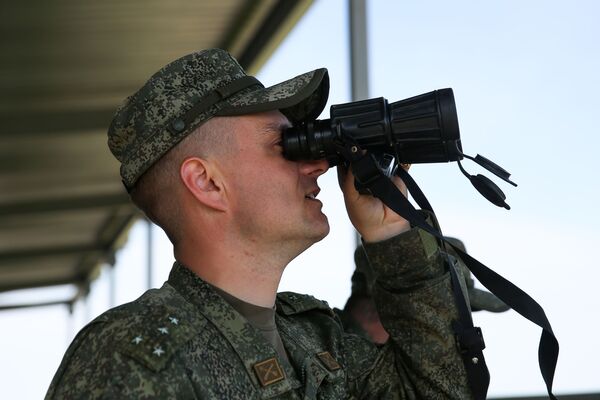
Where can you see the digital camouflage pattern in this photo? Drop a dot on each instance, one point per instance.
(187, 92)
(184, 341)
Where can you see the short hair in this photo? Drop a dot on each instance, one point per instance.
(155, 193)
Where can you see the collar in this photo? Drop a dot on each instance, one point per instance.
(247, 342)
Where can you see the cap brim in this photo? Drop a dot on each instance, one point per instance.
(300, 98)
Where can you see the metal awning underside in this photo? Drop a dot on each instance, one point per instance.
(64, 68)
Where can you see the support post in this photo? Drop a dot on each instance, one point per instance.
(359, 57)
(150, 245)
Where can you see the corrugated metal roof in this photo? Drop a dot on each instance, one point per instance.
(64, 68)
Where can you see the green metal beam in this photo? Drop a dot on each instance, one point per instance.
(48, 122)
(43, 252)
(65, 204)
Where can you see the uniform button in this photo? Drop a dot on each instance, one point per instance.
(178, 125)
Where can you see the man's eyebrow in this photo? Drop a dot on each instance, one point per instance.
(276, 127)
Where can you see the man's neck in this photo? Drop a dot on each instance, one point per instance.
(246, 273)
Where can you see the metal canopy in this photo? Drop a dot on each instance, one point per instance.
(64, 68)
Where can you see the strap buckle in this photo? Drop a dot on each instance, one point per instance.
(468, 340)
(366, 173)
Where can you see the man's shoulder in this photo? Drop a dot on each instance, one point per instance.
(289, 303)
(150, 329)
(133, 341)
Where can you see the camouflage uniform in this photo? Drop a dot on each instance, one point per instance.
(185, 341)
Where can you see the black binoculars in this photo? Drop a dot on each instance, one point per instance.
(420, 129)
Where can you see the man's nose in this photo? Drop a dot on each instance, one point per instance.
(314, 168)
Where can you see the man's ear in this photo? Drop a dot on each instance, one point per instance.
(203, 181)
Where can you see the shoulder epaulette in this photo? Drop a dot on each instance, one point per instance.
(290, 303)
(163, 322)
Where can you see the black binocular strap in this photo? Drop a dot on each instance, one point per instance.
(369, 176)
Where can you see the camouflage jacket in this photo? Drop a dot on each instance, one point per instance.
(184, 341)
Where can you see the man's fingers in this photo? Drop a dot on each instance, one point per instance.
(342, 172)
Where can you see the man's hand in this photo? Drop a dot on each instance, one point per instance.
(371, 218)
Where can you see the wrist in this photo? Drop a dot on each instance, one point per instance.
(382, 233)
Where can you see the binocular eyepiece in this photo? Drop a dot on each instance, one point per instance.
(421, 129)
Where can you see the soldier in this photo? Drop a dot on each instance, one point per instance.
(360, 312)
(200, 152)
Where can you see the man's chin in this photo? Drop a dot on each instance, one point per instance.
(315, 237)
(325, 229)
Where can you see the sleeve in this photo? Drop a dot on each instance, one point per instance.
(416, 305)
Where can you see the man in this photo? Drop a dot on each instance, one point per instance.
(200, 152)
(360, 311)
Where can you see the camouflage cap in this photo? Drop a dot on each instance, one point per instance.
(192, 89)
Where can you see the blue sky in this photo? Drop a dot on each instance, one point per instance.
(526, 83)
